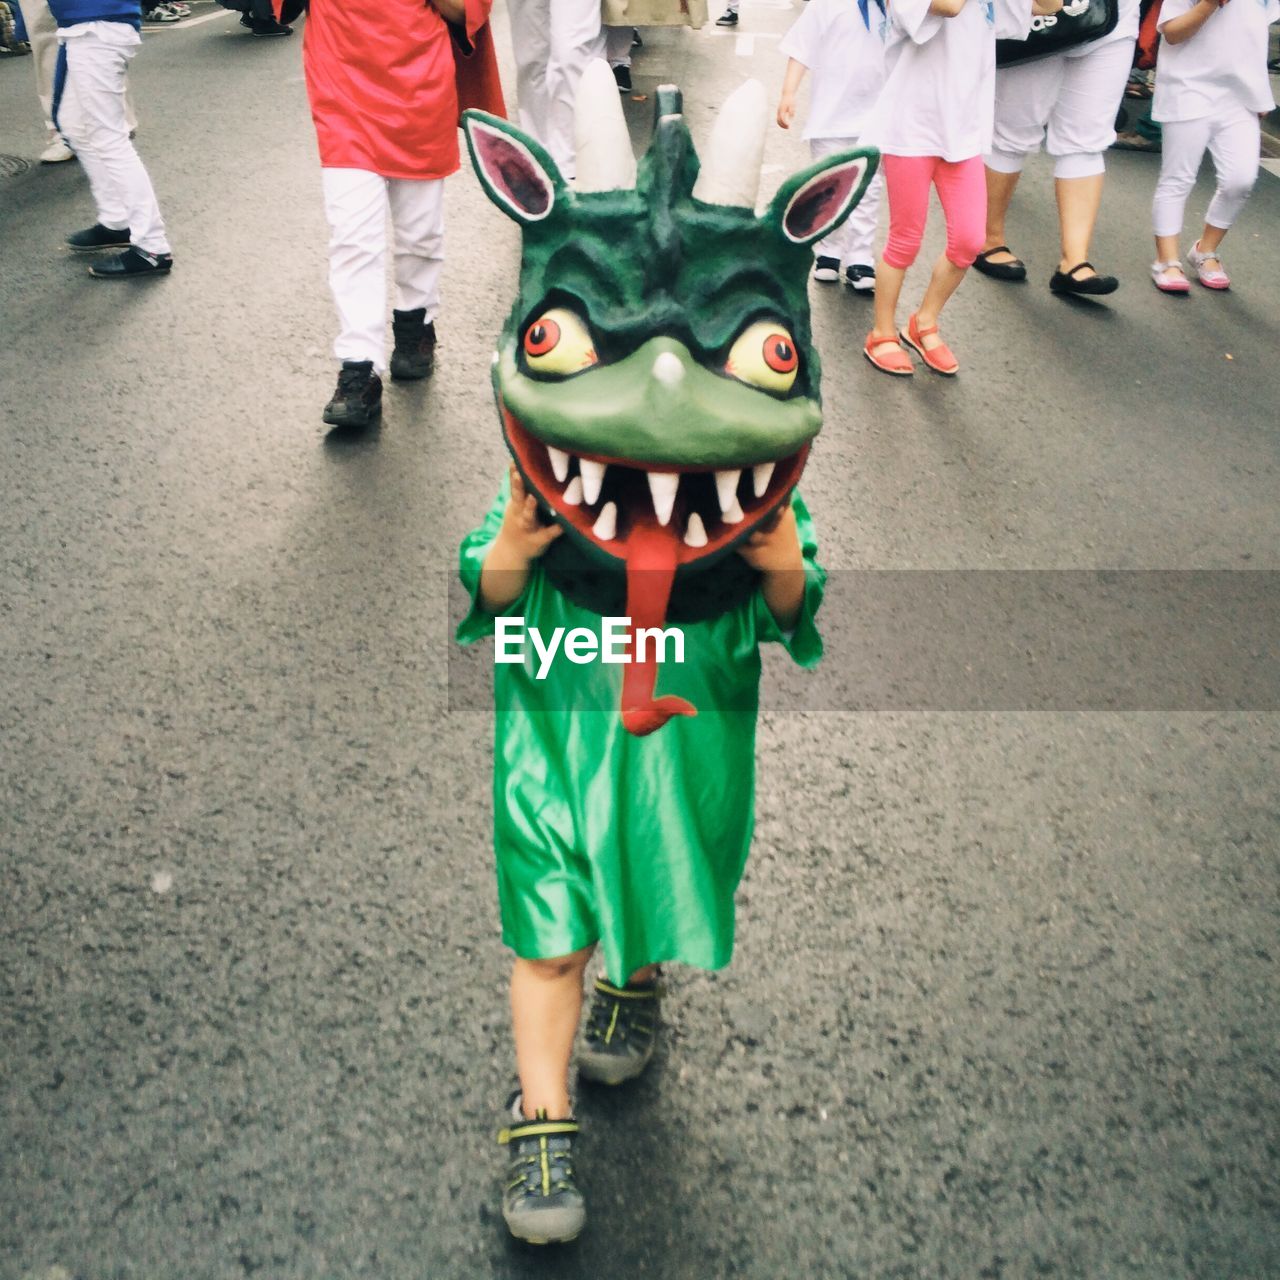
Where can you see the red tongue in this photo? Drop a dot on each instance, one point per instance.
(651, 568)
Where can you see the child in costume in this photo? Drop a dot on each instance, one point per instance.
(384, 83)
(842, 43)
(658, 392)
(1211, 84)
(933, 122)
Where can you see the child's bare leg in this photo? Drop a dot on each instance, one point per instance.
(642, 977)
(1211, 237)
(888, 291)
(546, 1003)
(944, 281)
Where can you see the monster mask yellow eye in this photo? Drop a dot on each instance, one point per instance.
(558, 343)
(765, 356)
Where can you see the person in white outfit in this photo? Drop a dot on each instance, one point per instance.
(1212, 86)
(841, 43)
(1068, 101)
(42, 32)
(98, 38)
(553, 41)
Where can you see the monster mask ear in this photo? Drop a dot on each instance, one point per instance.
(516, 173)
(818, 199)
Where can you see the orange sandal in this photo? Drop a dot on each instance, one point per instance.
(940, 359)
(896, 362)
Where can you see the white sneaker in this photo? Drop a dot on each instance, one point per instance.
(161, 13)
(56, 152)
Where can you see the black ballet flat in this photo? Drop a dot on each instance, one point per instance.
(1015, 270)
(1069, 282)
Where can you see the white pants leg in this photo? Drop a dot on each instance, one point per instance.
(417, 223)
(356, 205)
(1182, 147)
(1025, 97)
(1235, 145)
(1082, 124)
(553, 41)
(97, 128)
(42, 32)
(854, 240)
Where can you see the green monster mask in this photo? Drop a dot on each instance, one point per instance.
(656, 379)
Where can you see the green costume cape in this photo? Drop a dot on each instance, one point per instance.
(637, 842)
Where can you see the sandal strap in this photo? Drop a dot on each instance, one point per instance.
(1000, 248)
(873, 342)
(538, 1129)
(928, 332)
(1080, 266)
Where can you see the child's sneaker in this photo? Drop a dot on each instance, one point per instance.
(860, 277)
(827, 270)
(541, 1202)
(414, 356)
(621, 1032)
(1212, 277)
(357, 400)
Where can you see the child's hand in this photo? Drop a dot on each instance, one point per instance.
(786, 110)
(523, 535)
(775, 546)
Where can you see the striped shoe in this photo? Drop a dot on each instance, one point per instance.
(541, 1202)
(621, 1032)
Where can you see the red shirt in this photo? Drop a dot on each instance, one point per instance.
(382, 81)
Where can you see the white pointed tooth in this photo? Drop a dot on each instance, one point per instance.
(606, 525)
(733, 515)
(592, 478)
(760, 477)
(695, 535)
(727, 487)
(662, 489)
(573, 492)
(559, 463)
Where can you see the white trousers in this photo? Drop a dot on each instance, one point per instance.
(617, 45)
(42, 32)
(854, 239)
(93, 116)
(553, 42)
(1067, 101)
(357, 204)
(1234, 141)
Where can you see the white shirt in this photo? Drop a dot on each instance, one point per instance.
(1222, 67)
(940, 75)
(845, 58)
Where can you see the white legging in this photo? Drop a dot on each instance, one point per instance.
(1233, 139)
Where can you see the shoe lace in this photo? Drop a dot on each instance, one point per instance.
(613, 1021)
(352, 379)
(527, 1163)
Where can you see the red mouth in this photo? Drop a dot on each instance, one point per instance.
(699, 510)
(655, 519)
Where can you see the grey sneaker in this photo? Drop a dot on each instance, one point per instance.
(621, 1032)
(541, 1201)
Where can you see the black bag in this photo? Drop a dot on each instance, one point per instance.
(1077, 22)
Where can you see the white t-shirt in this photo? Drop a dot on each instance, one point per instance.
(939, 92)
(845, 57)
(1222, 67)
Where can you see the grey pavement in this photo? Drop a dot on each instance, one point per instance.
(1004, 998)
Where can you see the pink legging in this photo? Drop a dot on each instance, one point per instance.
(962, 190)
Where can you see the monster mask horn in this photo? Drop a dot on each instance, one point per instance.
(656, 379)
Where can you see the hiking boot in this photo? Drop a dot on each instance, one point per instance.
(97, 237)
(541, 1202)
(414, 355)
(621, 1032)
(357, 400)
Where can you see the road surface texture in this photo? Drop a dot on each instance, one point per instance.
(1004, 999)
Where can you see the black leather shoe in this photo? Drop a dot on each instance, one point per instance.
(132, 264)
(1069, 282)
(1015, 270)
(357, 399)
(97, 237)
(269, 27)
(414, 356)
(622, 76)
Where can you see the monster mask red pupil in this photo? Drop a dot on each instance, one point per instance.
(779, 354)
(541, 337)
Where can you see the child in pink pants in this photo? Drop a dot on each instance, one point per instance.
(933, 124)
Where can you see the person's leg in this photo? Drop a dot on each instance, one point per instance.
(417, 222)
(1234, 145)
(577, 37)
(830, 247)
(906, 179)
(1024, 98)
(1081, 128)
(531, 44)
(42, 33)
(1185, 142)
(546, 1005)
(962, 192)
(617, 49)
(119, 181)
(355, 204)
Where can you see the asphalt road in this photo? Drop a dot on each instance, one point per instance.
(1004, 1001)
